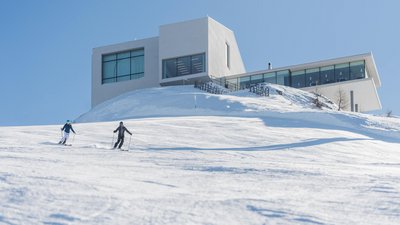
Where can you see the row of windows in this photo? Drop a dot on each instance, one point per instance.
(306, 77)
(183, 66)
(128, 65)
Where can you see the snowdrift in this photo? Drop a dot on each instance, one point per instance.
(285, 106)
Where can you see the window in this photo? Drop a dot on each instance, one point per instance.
(312, 77)
(327, 74)
(357, 70)
(244, 82)
(255, 79)
(270, 77)
(228, 56)
(123, 66)
(183, 66)
(342, 72)
(283, 78)
(298, 79)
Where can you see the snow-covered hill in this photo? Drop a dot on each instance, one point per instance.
(285, 106)
(219, 159)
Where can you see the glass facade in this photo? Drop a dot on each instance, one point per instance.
(283, 77)
(307, 77)
(127, 65)
(357, 70)
(244, 82)
(312, 77)
(327, 74)
(183, 66)
(270, 77)
(299, 79)
(342, 72)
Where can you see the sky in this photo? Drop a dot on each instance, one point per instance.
(46, 46)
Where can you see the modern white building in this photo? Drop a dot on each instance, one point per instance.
(203, 49)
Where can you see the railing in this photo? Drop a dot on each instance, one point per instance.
(210, 87)
(259, 89)
(222, 86)
(224, 83)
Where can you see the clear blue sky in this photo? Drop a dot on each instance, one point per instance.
(46, 46)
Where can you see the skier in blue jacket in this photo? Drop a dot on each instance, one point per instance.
(66, 128)
(121, 130)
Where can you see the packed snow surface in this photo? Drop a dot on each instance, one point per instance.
(198, 158)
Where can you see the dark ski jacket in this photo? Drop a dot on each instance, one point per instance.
(121, 131)
(67, 127)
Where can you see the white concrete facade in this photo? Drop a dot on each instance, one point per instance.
(222, 59)
(102, 92)
(203, 35)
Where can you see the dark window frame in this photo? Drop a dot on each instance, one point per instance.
(191, 68)
(115, 59)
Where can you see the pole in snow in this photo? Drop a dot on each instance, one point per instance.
(112, 142)
(195, 101)
(129, 146)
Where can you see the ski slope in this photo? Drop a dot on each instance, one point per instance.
(231, 159)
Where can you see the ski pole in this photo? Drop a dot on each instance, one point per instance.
(73, 138)
(112, 142)
(129, 146)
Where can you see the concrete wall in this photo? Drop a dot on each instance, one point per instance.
(198, 36)
(364, 93)
(182, 39)
(102, 92)
(218, 37)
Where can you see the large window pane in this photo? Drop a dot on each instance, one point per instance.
(312, 77)
(232, 83)
(137, 76)
(357, 70)
(123, 78)
(342, 72)
(327, 75)
(109, 57)
(123, 67)
(198, 65)
(169, 68)
(109, 69)
(244, 82)
(183, 66)
(298, 79)
(110, 80)
(270, 78)
(123, 55)
(139, 52)
(255, 79)
(137, 65)
(282, 77)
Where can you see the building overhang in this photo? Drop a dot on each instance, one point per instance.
(367, 57)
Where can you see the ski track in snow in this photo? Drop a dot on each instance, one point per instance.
(278, 168)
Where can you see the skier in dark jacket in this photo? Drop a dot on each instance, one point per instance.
(121, 131)
(66, 128)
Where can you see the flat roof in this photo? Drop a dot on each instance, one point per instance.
(368, 57)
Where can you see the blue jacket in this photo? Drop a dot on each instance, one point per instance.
(67, 127)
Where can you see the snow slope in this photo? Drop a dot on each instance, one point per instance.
(236, 159)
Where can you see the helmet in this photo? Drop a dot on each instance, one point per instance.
(68, 121)
(121, 123)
